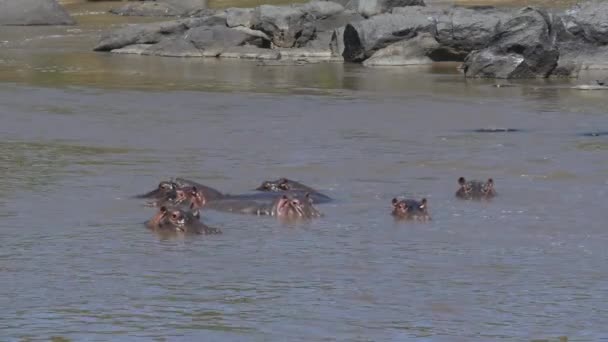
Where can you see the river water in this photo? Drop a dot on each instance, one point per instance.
(82, 132)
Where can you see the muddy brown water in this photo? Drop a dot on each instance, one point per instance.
(81, 132)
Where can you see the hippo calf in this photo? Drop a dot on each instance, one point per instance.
(178, 220)
(475, 190)
(410, 209)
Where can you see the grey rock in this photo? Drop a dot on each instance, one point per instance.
(205, 37)
(139, 34)
(287, 26)
(462, 30)
(148, 9)
(415, 51)
(160, 8)
(322, 9)
(370, 8)
(588, 21)
(523, 47)
(363, 38)
(173, 47)
(305, 53)
(33, 12)
(336, 21)
(135, 49)
(239, 17)
(249, 52)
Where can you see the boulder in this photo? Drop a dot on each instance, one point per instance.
(462, 30)
(369, 8)
(361, 39)
(160, 8)
(415, 51)
(293, 26)
(249, 52)
(213, 37)
(33, 12)
(148, 9)
(587, 21)
(322, 9)
(239, 17)
(523, 47)
(287, 26)
(173, 47)
(582, 35)
(139, 34)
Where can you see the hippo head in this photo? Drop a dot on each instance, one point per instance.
(190, 195)
(475, 189)
(176, 219)
(164, 189)
(296, 207)
(281, 184)
(410, 209)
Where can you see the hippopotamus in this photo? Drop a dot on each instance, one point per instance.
(187, 197)
(285, 184)
(475, 190)
(287, 206)
(410, 209)
(178, 220)
(164, 189)
(167, 189)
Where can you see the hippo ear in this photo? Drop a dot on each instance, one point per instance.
(284, 197)
(163, 209)
(394, 201)
(490, 182)
(284, 184)
(307, 196)
(461, 181)
(423, 203)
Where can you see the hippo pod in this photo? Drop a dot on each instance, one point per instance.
(168, 190)
(286, 206)
(475, 190)
(288, 185)
(178, 220)
(410, 209)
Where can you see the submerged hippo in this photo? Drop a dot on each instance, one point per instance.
(164, 189)
(475, 190)
(285, 184)
(167, 189)
(288, 206)
(173, 219)
(410, 209)
(186, 197)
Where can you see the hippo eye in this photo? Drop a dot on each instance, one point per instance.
(174, 216)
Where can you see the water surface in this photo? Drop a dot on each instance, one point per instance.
(82, 132)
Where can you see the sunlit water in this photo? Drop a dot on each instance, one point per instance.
(80, 136)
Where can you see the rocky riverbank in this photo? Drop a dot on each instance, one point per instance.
(487, 41)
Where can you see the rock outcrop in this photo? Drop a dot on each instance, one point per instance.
(523, 47)
(33, 12)
(491, 42)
